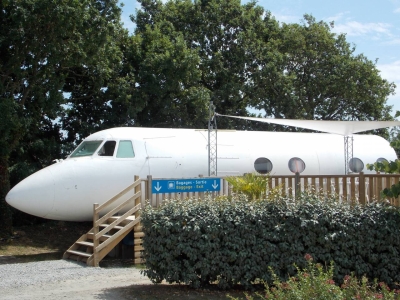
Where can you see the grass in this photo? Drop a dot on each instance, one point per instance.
(316, 282)
(43, 241)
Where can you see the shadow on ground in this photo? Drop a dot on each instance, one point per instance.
(17, 259)
(169, 292)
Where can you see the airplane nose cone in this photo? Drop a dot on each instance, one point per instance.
(34, 195)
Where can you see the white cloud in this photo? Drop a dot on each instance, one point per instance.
(395, 41)
(391, 72)
(287, 18)
(394, 101)
(337, 17)
(354, 28)
(397, 10)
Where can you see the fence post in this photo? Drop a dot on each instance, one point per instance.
(297, 185)
(361, 189)
(378, 186)
(149, 189)
(95, 232)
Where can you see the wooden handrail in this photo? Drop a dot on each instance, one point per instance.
(117, 208)
(119, 195)
(382, 175)
(117, 221)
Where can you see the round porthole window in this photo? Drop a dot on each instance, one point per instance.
(356, 165)
(263, 165)
(296, 165)
(381, 160)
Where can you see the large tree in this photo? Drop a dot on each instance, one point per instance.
(42, 43)
(168, 89)
(319, 77)
(289, 70)
(228, 38)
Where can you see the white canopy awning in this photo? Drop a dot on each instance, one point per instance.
(344, 128)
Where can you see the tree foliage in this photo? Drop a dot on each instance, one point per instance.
(168, 92)
(229, 40)
(42, 43)
(301, 71)
(319, 77)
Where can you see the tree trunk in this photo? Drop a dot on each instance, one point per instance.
(5, 211)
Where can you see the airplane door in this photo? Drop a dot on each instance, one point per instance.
(163, 157)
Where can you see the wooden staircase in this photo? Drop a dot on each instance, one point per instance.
(108, 230)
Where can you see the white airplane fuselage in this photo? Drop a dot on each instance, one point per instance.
(107, 161)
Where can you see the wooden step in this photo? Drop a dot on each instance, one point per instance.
(124, 224)
(103, 238)
(126, 221)
(115, 227)
(80, 253)
(85, 243)
(130, 218)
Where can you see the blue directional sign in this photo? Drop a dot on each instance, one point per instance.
(186, 185)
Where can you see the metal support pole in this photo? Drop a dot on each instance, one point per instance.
(348, 152)
(212, 142)
(149, 191)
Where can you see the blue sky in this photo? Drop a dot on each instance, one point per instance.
(372, 26)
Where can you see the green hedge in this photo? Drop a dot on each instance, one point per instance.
(197, 242)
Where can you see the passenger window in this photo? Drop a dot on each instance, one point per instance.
(125, 150)
(296, 165)
(108, 148)
(263, 165)
(356, 165)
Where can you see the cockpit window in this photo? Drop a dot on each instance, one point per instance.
(86, 148)
(125, 150)
(107, 149)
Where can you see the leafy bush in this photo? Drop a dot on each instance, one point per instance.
(388, 167)
(316, 282)
(197, 242)
(392, 167)
(253, 186)
(392, 192)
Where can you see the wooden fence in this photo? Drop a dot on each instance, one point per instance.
(355, 188)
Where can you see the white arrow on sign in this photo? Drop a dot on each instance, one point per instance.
(158, 187)
(215, 185)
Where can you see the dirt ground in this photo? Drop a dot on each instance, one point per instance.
(48, 241)
(114, 288)
(128, 284)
